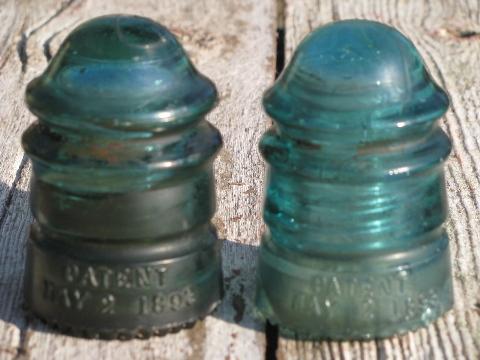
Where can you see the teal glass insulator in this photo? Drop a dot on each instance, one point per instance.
(122, 189)
(355, 201)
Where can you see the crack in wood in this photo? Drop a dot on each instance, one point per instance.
(272, 331)
(280, 60)
(22, 349)
(238, 303)
(459, 33)
(467, 34)
(381, 353)
(335, 13)
(22, 51)
(271, 334)
(8, 200)
(47, 51)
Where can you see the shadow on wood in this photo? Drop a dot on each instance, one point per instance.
(239, 264)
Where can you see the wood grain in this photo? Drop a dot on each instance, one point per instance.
(232, 42)
(447, 33)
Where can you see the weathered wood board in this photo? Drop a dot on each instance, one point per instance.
(232, 42)
(447, 33)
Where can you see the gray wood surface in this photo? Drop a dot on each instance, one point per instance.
(233, 42)
(447, 33)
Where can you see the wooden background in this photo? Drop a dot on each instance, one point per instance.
(234, 42)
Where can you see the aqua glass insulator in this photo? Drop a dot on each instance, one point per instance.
(122, 190)
(355, 200)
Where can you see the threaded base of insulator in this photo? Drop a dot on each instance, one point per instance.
(347, 298)
(121, 290)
